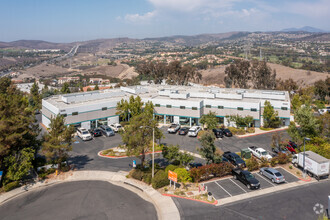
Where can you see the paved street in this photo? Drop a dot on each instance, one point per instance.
(296, 203)
(79, 200)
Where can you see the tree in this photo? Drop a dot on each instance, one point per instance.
(309, 125)
(321, 89)
(210, 120)
(241, 121)
(238, 74)
(35, 98)
(58, 142)
(65, 88)
(132, 107)
(271, 119)
(96, 87)
(208, 150)
(287, 85)
(296, 102)
(173, 154)
(262, 76)
(18, 133)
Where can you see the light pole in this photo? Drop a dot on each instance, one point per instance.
(305, 139)
(153, 150)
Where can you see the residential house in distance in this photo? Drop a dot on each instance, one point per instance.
(67, 79)
(98, 81)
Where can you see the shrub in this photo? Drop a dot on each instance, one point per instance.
(290, 167)
(237, 131)
(205, 172)
(137, 174)
(11, 186)
(264, 162)
(252, 164)
(283, 158)
(197, 174)
(170, 167)
(183, 175)
(147, 177)
(251, 130)
(160, 180)
(273, 161)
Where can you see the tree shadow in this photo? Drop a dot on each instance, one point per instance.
(79, 161)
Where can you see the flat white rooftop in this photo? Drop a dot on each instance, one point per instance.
(167, 92)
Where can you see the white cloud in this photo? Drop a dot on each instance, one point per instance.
(315, 9)
(138, 18)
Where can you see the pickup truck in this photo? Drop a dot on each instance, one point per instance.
(246, 178)
(260, 152)
(234, 159)
(173, 128)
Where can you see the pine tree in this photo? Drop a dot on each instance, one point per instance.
(58, 143)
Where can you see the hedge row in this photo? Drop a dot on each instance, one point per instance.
(209, 171)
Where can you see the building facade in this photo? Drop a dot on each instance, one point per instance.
(181, 104)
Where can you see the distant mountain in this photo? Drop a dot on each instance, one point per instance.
(35, 44)
(305, 29)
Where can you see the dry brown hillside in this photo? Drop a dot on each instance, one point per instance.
(216, 76)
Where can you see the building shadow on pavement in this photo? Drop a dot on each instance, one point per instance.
(79, 161)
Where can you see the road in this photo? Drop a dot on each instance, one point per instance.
(297, 203)
(78, 200)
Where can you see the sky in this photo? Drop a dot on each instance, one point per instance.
(79, 20)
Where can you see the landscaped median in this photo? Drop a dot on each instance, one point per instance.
(121, 152)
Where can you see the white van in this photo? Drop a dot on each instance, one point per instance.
(193, 131)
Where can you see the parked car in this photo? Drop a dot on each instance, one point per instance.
(315, 165)
(291, 146)
(246, 178)
(217, 132)
(96, 132)
(283, 150)
(174, 127)
(116, 127)
(183, 131)
(106, 130)
(84, 134)
(274, 175)
(193, 165)
(193, 131)
(227, 132)
(260, 152)
(234, 159)
(324, 110)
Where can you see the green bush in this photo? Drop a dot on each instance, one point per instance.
(147, 177)
(252, 164)
(170, 167)
(11, 186)
(251, 130)
(264, 162)
(183, 175)
(237, 131)
(137, 174)
(283, 158)
(160, 180)
(273, 161)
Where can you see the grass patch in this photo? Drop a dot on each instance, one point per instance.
(266, 129)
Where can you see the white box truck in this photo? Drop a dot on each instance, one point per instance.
(315, 165)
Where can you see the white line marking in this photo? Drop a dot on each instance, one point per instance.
(223, 189)
(238, 185)
(268, 181)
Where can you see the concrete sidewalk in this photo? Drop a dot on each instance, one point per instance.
(165, 206)
(258, 131)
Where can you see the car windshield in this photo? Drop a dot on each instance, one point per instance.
(226, 130)
(277, 174)
(192, 130)
(108, 129)
(249, 176)
(85, 132)
(119, 126)
(235, 156)
(264, 153)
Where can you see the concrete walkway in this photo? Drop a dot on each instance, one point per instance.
(165, 206)
(258, 131)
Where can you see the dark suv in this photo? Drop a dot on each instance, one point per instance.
(217, 132)
(234, 159)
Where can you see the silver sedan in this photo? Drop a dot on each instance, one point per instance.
(274, 175)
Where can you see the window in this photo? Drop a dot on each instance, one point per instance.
(104, 108)
(220, 107)
(240, 108)
(284, 108)
(168, 106)
(182, 107)
(208, 106)
(74, 113)
(157, 105)
(194, 108)
(253, 109)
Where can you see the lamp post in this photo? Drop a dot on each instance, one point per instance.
(304, 173)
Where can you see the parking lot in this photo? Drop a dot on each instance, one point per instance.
(230, 187)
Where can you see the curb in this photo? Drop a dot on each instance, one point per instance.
(197, 200)
(119, 157)
(306, 180)
(266, 132)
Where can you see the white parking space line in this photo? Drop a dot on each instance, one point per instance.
(238, 186)
(223, 189)
(265, 179)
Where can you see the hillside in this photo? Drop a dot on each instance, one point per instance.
(35, 44)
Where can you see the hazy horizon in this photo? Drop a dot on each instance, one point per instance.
(80, 20)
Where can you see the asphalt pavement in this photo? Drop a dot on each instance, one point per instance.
(295, 203)
(78, 200)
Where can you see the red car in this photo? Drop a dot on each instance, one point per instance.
(292, 147)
